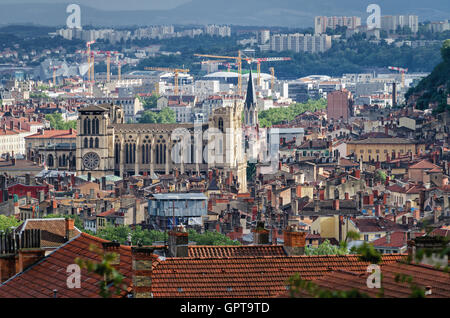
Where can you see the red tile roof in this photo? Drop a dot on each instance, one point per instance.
(39, 280)
(424, 164)
(440, 232)
(55, 133)
(251, 277)
(398, 239)
(423, 275)
(377, 224)
(203, 251)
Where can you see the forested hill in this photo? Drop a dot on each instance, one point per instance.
(432, 91)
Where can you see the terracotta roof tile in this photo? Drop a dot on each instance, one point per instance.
(42, 278)
(424, 276)
(251, 277)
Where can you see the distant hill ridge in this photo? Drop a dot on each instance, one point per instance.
(296, 13)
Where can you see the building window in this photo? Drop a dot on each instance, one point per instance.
(50, 161)
(220, 124)
(96, 142)
(361, 151)
(91, 143)
(85, 142)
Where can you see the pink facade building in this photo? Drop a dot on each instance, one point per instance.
(339, 105)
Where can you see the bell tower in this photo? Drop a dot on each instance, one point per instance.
(95, 151)
(229, 148)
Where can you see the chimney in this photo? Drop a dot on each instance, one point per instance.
(112, 247)
(91, 193)
(388, 237)
(336, 204)
(41, 196)
(178, 242)
(371, 199)
(103, 183)
(15, 258)
(70, 228)
(294, 241)
(385, 195)
(321, 194)
(210, 175)
(142, 260)
(347, 196)
(377, 210)
(260, 234)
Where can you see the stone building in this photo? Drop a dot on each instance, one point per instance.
(106, 145)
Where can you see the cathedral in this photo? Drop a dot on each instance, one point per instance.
(106, 145)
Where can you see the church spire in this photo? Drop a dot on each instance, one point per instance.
(250, 109)
(251, 95)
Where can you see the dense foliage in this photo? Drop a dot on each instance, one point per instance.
(275, 116)
(148, 237)
(149, 102)
(165, 116)
(6, 222)
(435, 87)
(57, 122)
(326, 248)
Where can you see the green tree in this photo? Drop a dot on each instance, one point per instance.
(275, 116)
(149, 102)
(445, 50)
(111, 282)
(57, 122)
(380, 176)
(326, 248)
(6, 222)
(165, 116)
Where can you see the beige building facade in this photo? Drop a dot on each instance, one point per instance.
(105, 145)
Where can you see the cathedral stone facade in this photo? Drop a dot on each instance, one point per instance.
(105, 145)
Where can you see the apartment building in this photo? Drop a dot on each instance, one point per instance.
(391, 23)
(300, 43)
(321, 23)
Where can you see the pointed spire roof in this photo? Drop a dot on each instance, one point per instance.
(251, 95)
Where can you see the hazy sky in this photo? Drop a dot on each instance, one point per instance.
(112, 4)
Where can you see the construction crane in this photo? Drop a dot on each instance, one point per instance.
(272, 79)
(176, 71)
(265, 59)
(108, 62)
(54, 68)
(119, 68)
(400, 70)
(88, 52)
(238, 62)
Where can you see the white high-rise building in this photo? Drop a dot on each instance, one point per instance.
(300, 43)
(390, 23)
(321, 23)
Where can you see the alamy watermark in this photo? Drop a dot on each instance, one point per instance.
(374, 279)
(374, 19)
(74, 19)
